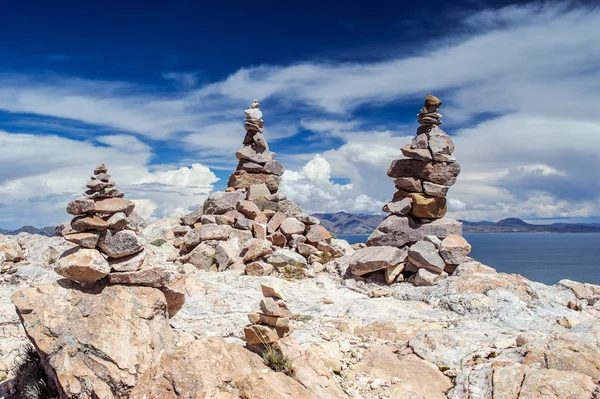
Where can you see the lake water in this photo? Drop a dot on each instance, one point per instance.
(546, 258)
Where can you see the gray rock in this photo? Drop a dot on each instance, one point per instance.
(129, 263)
(401, 207)
(243, 223)
(397, 231)
(202, 257)
(420, 142)
(435, 190)
(256, 154)
(206, 232)
(307, 219)
(269, 307)
(135, 222)
(226, 254)
(435, 172)
(258, 191)
(219, 203)
(83, 265)
(276, 197)
(292, 226)
(370, 259)
(117, 244)
(208, 219)
(286, 257)
(425, 255)
(260, 141)
(424, 278)
(410, 184)
(440, 142)
(274, 167)
(413, 153)
(192, 217)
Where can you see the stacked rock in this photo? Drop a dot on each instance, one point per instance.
(256, 165)
(272, 322)
(416, 241)
(105, 231)
(252, 228)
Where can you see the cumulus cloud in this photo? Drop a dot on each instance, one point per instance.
(37, 181)
(520, 87)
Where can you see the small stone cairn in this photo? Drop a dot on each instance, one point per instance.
(416, 242)
(108, 245)
(272, 322)
(252, 228)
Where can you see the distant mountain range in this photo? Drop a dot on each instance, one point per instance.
(343, 223)
(44, 231)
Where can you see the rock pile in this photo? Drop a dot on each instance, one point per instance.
(273, 320)
(252, 228)
(108, 246)
(257, 165)
(416, 242)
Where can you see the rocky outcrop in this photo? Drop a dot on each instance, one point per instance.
(416, 223)
(252, 228)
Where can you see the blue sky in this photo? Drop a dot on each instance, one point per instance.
(157, 91)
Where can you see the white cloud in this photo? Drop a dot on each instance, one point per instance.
(37, 181)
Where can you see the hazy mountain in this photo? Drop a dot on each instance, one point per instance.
(343, 223)
(47, 231)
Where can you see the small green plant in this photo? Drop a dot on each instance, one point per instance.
(277, 361)
(30, 379)
(293, 272)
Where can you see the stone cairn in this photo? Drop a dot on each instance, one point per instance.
(416, 242)
(252, 228)
(272, 322)
(105, 230)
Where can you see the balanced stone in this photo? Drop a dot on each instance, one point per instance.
(118, 244)
(398, 231)
(242, 179)
(256, 154)
(83, 265)
(80, 206)
(424, 254)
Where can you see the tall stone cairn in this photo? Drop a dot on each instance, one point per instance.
(252, 228)
(109, 249)
(257, 164)
(416, 242)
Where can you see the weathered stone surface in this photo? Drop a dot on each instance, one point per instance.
(441, 173)
(370, 259)
(206, 232)
(258, 191)
(242, 179)
(256, 154)
(468, 268)
(219, 202)
(425, 278)
(209, 363)
(423, 206)
(259, 268)
(439, 141)
(117, 221)
(306, 249)
(274, 167)
(80, 206)
(108, 192)
(397, 231)
(100, 346)
(435, 172)
(257, 318)
(117, 244)
(255, 249)
(243, 236)
(277, 239)
(83, 265)
(542, 384)
(454, 249)
(85, 223)
(193, 217)
(276, 221)
(409, 184)
(243, 223)
(269, 307)
(416, 378)
(222, 219)
(424, 254)
(226, 254)
(248, 209)
(292, 226)
(285, 257)
(317, 233)
(129, 263)
(391, 273)
(272, 291)
(108, 206)
(421, 141)
(415, 153)
(86, 240)
(435, 190)
(203, 257)
(401, 207)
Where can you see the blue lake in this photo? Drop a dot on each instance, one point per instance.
(546, 258)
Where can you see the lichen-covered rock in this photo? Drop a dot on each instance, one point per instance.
(96, 340)
(118, 244)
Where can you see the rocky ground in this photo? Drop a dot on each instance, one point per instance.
(475, 334)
